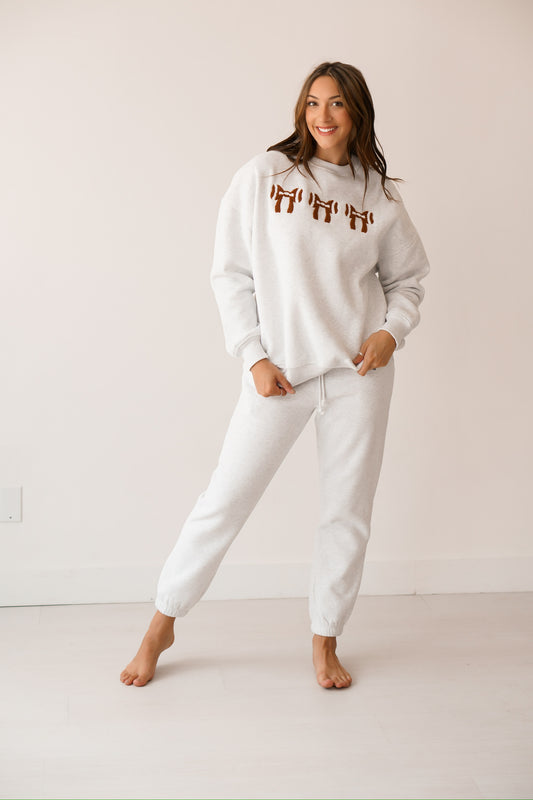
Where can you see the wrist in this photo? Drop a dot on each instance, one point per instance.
(390, 336)
(257, 362)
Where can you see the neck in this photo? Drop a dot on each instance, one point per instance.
(334, 156)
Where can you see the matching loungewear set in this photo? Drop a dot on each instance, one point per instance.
(303, 273)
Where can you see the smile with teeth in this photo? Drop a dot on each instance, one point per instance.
(326, 131)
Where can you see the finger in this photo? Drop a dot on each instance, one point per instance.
(360, 361)
(363, 369)
(282, 380)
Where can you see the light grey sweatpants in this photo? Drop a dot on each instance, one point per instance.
(351, 419)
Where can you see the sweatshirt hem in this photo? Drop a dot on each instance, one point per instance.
(306, 372)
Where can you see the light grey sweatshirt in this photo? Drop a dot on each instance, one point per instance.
(302, 274)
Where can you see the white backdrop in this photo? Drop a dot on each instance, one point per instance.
(122, 125)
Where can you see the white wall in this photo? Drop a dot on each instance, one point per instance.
(123, 123)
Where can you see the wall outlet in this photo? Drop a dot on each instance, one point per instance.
(11, 504)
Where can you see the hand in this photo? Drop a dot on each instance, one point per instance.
(269, 379)
(376, 350)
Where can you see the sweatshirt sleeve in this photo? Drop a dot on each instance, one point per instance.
(402, 263)
(231, 273)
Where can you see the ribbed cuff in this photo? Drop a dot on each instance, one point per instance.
(253, 352)
(168, 608)
(323, 628)
(398, 327)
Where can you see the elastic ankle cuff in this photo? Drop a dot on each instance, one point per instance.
(169, 608)
(326, 629)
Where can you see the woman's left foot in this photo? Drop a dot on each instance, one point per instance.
(329, 670)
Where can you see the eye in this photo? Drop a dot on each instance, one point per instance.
(311, 102)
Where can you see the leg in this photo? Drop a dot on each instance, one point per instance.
(260, 434)
(350, 443)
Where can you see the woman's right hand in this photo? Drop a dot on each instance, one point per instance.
(269, 379)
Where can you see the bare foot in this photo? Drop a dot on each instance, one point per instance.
(329, 670)
(158, 637)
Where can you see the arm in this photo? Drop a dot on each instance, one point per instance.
(402, 264)
(231, 273)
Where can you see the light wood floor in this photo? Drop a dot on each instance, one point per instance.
(441, 704)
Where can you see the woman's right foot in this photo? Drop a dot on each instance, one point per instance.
(158, 637)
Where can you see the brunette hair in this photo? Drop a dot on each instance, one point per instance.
(300, 146)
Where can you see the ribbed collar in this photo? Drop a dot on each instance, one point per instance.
(337, 169)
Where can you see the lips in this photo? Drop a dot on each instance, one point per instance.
(326, 131)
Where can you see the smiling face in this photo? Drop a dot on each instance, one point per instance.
(328, 120)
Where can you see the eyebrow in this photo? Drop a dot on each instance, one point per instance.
(329, 98)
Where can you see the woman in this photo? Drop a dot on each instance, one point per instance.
(316, 273)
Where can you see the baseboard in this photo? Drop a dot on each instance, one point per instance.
(131, 584)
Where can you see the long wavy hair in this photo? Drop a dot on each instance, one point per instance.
(300, 146)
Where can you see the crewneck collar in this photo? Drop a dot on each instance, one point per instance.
(336, 169)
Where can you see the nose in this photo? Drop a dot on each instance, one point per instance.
(324, 109)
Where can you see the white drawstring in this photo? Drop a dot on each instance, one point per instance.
(321, 394)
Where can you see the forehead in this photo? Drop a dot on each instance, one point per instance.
(324, 86)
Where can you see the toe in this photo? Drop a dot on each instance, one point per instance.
(140, 680)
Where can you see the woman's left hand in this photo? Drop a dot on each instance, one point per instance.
(376, 351)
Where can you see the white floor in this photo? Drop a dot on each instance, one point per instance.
(441, 704)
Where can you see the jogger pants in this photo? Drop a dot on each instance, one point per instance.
(350, 422)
